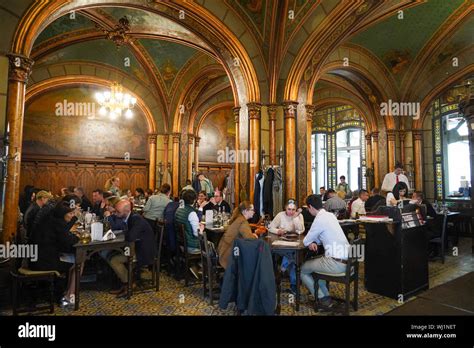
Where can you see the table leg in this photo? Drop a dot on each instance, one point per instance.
(129, 284)
(77, 276)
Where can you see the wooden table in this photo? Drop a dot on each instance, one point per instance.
(298, 252)
(85, 251)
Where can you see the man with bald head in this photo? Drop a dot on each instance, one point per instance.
(138, 231)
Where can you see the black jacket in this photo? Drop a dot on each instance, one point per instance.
(223, 205)
(249, 280)
(29, 217)
(141, 232)
(53, 238)
(168, 214)
(268, 192)
(373, 201)
(98, 211)
(85, 203)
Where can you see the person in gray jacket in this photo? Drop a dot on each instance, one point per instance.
(155, 206)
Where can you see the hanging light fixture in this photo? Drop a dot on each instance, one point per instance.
(115, 102)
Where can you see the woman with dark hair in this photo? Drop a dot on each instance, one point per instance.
(26, 198)
(139, 194)
(398, 194)
(54, 238)
(238, 228)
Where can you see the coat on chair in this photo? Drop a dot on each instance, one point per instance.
(249, 280)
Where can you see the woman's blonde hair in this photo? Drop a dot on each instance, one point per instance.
(108, 183)
(341, 194)
(245, 205)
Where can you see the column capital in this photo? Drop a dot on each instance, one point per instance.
(254, 110)
(176, 136)
(196, 140)
(391, 134)
(152, 138)
(417, 134)
(190, 139)
(236, 112)
(375, 136)
(272, 109)
(402, 134)
(289, 108)
(368, 137)
(310, 111)
(166, 139)
(19, 67)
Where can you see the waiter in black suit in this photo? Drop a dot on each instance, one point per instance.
(138, 231)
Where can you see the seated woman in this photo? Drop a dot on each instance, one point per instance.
(53, 238)
(290, 220)
(238, 228)
(398, 194)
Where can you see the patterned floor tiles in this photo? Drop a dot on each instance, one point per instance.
(175, 299)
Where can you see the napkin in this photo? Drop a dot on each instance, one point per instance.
(97, 230)
(109, 236)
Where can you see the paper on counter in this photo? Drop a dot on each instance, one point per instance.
(285, 243)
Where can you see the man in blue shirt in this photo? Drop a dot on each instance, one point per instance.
(325, 230)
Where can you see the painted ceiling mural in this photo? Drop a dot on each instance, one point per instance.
(66, 122)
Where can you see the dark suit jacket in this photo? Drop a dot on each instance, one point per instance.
(268, 192)
(53, 238)
(141, 232)
(98, 211)
(86, 203)
(210, 206)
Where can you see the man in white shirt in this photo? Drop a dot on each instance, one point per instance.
(290, 220)
(325, 230)
(358, 206)
(391, 179)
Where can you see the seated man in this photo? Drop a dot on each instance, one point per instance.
(334, 203)
(156, 204)
(41, 199)
(85, 202)
(418, 199)
(358, 206)
(217, 203)
(375, 200)
(139, 231)
(290, 220)
(187, 216)
(325, 230)
(98, 202)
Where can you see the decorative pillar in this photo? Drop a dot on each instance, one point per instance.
(391, 144)
(310, 110)
(152, 168)
(166, 139)
(418, 158)
(402, 135)
(375, 157)
(19, 71)
(236, 112)
(254, 111)
(289, 110)
(175, 163)
(190, 156)
(368, 157)
(196, 155)
(272, 108)
(466, 107)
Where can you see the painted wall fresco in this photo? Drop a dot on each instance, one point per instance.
(66, 122)
(216, 133)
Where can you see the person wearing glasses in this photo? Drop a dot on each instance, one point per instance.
(289, 220)
(217, 203)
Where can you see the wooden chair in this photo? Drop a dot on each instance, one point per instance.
(22, 276)
(159, 233)
(441, 240)
(351, 275)
(211, 270)
(184, 257)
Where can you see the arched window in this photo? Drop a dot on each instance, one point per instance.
(338, 148)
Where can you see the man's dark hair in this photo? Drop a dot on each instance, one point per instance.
(99, 191)
(61, 209)
(314, 201)
(149, 191)
(375, 190)
(189, 196)
(419, 194)
(165, 188)
(342, 177)
(69, 198)
(330, 191)
(322, 187)
(80, 189)
(361, 191)
(140, 191)
(399, 165)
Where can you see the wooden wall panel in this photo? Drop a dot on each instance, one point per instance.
(215, 172)
(55, 173)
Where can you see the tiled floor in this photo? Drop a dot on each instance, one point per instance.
(174, 299)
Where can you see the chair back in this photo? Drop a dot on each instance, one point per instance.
(352, 267)
(159, 235)
(208, 249)
(181, 237)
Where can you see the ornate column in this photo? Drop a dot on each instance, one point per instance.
(310, 109)
(418, 157)
(254, 110)
(190, 156)
(236, 112)
(166, 140)
(196, 155)
(289, 110)
(375, 157)
(368, 158)
(175, 163)
(18, 73)
(272, 108)
(152, 168)
(402, 135)
(391, 143)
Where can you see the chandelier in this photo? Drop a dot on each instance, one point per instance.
(114, 102)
